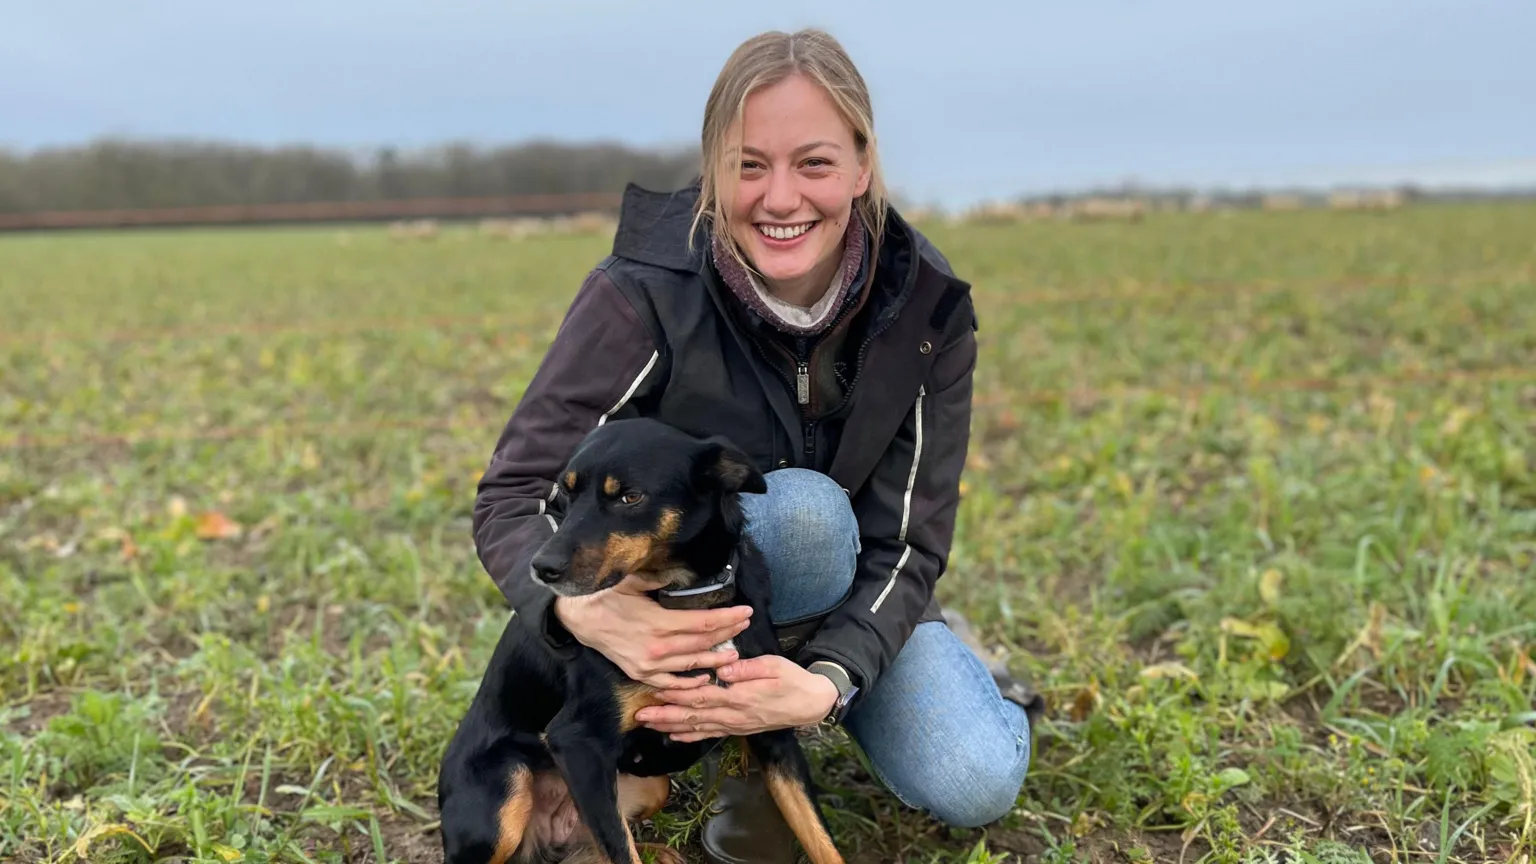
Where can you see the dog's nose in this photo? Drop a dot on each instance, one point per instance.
(547, 570)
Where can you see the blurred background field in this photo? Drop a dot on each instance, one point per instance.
(1251, 500)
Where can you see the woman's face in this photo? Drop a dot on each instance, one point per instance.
(800, 172)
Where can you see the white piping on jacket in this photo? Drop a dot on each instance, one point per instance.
(633, 386)
(906, 503)
(554, 488)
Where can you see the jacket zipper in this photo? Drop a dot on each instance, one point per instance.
(803, 396)
(802, 373)
(802, 380)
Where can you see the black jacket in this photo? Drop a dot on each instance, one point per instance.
(653, 331)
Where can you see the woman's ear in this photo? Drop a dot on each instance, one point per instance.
(719, 464)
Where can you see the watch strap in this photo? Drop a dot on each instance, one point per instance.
(846, 690)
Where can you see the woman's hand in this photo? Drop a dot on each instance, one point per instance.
(647, 641)
(765, 693)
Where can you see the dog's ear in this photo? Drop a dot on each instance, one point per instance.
(718, 463)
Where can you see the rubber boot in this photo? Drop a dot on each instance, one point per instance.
(747, 827)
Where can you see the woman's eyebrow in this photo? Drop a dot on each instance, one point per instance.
(753, 151)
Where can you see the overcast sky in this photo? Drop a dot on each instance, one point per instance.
(973, 99)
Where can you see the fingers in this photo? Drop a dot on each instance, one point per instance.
(658, 661)
(765, 666)
(666, 683)
(669, 672)
(682, 701)
(692, 728)
(675, 718)
(673, 646)
(715, 637)
(691, 737)
(696, 660)
(700, 729)
(705, 621)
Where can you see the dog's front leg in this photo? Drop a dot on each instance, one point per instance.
(584, 741)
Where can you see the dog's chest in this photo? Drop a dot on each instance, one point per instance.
(714, 674)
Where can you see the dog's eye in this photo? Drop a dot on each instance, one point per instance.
(631, 498)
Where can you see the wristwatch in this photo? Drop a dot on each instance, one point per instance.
(846, 691)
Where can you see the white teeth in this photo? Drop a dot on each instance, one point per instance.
(780, 233)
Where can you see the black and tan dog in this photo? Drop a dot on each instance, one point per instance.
(549, 763)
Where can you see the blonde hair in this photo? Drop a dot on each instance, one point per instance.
(767, 59)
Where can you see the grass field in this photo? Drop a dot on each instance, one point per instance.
(1251, 499)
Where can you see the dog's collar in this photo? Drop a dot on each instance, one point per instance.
(703, 595)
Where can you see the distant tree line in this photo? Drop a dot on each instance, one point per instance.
(123, 174)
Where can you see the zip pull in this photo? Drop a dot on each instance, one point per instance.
(803, 383)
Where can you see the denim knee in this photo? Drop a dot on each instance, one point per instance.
(805, 528)
(976, 785)
(940, 736)
(995, 780)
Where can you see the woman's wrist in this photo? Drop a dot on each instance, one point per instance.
(826, 697)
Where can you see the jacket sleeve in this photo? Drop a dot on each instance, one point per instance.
(906, 515)
(601, 360)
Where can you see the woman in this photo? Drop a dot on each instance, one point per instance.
(782, 303)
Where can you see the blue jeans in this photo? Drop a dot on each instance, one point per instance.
(937, 731)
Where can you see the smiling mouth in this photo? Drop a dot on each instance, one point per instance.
(785, 232)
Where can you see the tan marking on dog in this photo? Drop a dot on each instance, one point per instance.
(570, 481)
(671, 520)
(628, 553)
(512, 818)
(610, 485)
(803, 820)
(639, 554)
(671, 576)
(632, 697)
(640, 798)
